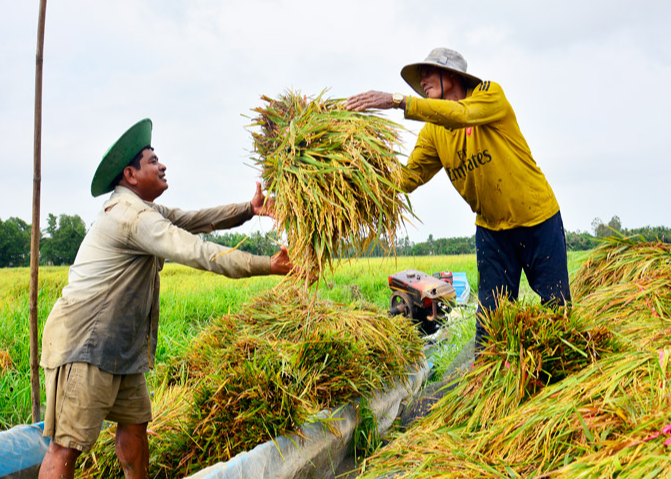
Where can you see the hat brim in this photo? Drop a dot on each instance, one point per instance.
(119, 155)
(413, 77)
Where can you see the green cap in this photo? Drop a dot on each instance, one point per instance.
(119, 155)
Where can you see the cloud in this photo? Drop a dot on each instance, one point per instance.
(587, 82)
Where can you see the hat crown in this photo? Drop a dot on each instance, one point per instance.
(117, 157)
(448, 58)
(442, 58)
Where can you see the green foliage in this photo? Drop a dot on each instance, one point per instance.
(65, 234)
(615, 228)
(255, 243)
(366, 437)
(580, 241)
(190, 299)
(602, 230)
(14, 243)
(64, 237)
(652, 233)
(15, 403)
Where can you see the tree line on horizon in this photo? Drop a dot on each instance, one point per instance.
(60, 240)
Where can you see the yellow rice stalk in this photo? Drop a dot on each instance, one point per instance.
(170, 406)
(6, 362)
(620, 261)
(602, 414)
(612, 418)
(638, 312)
(265, 372)
(334, 177)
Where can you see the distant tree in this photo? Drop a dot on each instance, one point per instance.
(615, 224)
(254, 243)
(421, 249)
(652, 233)
(14, 242)
(63, 238)
(404, 246)
(580, 241)
(596, 222)
(602, 230)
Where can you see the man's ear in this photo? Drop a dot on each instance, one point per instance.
(129, 175)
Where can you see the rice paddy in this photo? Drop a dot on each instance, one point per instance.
(580, 392)
(190, 299)
(265, 372)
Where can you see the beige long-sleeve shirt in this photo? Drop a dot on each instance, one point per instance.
(108, 313)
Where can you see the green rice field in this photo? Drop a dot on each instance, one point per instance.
(189, 300)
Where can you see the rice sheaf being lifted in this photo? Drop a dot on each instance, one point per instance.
(334, 177)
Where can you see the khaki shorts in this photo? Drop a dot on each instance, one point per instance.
(80, 397)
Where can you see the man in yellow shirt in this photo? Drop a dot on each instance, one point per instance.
(471, 132)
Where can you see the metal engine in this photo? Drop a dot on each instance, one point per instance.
(425, 299)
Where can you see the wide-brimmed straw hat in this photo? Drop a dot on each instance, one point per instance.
(120, 154)
(443, 58)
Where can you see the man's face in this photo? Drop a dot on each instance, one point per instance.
(151, 182)
(431, 82)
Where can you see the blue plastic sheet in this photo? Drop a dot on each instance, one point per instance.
(22, 449)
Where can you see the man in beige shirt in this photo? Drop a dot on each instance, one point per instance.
(100, 337)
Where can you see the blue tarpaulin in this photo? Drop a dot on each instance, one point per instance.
(22, 449)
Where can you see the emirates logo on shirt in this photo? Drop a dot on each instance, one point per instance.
(467, 164)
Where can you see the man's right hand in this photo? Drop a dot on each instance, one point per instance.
(280, 262)
(370, 100)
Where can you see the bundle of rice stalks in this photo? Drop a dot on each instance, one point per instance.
(643, 456)
(638, 313)
(271, 368)
(334, 177)
(626, 285)
(609, 416)
(266, 372)
(618, 261)
(529, 347)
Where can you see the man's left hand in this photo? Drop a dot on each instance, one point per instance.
(261, 206)
(280, 262)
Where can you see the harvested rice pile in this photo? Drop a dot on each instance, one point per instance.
(264, 372)
(334, 176)
(585, 393)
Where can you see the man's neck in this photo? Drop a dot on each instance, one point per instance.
(455, 93)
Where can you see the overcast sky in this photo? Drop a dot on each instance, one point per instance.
(590, 82)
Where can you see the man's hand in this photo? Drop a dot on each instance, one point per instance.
(280, 262)
(369, 100)
(260, 206)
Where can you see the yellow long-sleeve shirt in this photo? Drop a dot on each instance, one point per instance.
(478, 143)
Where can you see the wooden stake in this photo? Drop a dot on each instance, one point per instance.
(35, 232)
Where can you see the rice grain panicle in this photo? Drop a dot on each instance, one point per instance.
(334, 176)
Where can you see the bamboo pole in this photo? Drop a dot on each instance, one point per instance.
(35, 231)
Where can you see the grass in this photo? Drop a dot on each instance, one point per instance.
(189, 300)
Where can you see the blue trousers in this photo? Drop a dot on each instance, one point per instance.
(539, 251)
